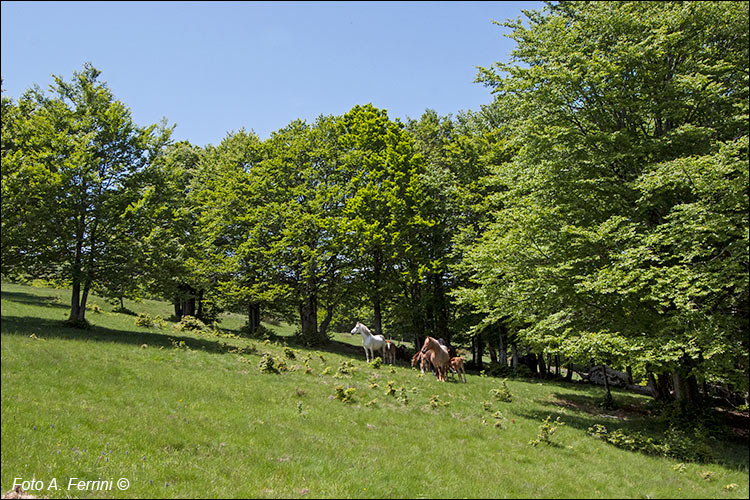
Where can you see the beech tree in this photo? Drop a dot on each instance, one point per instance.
(69, 175)
(625, 221)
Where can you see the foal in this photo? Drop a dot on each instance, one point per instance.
(457, 367)
(424, 363)
(389, 352)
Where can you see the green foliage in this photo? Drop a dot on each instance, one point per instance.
(546, 431)
(620, 234)
(190, 323)
(675, 443)
(289, 353)
(502, 393)
(146, 321)
(267, 364)
(74, 165)
(345, 395)
(376, 363)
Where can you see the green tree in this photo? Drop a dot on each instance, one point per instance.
(380, 203)
(69, 176)
(616, 226)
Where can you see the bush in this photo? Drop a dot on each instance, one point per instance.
(266, 365)
(546, 430)
(344, 395)
(146, 321)
(676, 444)
(503, 393)
(289, 353)
(376, 363)
(190, 323)
(94, 308)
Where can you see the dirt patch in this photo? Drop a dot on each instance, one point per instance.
(591, 406)
(17, 492)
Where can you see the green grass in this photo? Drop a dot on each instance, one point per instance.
(188, 415)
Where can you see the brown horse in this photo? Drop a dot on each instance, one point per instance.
(422, 359)
(457, 367)
(389, 352)
(438, 356)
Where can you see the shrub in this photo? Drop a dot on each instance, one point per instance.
(503, 393)
(676, 443)
(546, 430)
(190, 323)
(94, 308)
(144, 321)
(266, 365)
(289, 353)
(390, 390)
(376, 363)
(345, 395)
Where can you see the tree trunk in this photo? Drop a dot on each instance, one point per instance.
(177, 308)
(308, 313)
(199, 311)
(491, 349)
(326, 321)
(542, 366)
(514, 357)
(502, 353)
(608, 396)
(376, 299)
(253, 317)
(440, 309)
(569, 373)
(75, 301)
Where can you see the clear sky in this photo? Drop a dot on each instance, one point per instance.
(216, 67)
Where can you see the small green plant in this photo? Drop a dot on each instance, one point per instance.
(679, 468)
(289, 353)
(345, 395)
(390, 390)
(402, 396)
(373, 402)
(435, 402)
(94, 308)
(326, 370)
(266, 364)
(300, 411)
(487, 405)
(546, 430)
(503, 393)
(499, 420)
(281, 365)
(190, 323)
(675, 444)
(376, 363)
(178, 344)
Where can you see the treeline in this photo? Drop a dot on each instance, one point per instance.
(595, 212)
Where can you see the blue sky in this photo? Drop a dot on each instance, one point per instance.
(215, 67)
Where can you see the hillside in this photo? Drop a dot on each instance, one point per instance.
(191, 414)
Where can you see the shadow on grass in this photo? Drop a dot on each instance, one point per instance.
(725, 452)
(34, 300)
(47, 328)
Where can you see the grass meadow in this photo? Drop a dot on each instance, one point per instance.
(191, 415)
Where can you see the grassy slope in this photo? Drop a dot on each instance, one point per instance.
(202, 421)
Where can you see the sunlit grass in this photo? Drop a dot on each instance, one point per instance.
(199, 420)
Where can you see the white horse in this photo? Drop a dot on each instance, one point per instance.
(369, 341)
